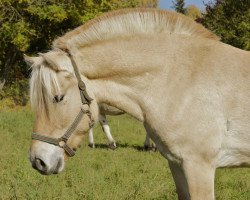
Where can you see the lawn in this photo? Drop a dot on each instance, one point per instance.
(98, 174)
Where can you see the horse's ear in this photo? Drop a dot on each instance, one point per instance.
(32, 60)
(50, 59)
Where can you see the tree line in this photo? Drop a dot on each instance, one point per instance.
(229, 19)
(30, 26)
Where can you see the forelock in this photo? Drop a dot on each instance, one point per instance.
(44, 83)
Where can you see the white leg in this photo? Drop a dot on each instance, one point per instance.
(106, 130)
(91, 138)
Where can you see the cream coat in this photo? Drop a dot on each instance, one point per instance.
(191, 91)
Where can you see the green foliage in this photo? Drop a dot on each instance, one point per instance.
(15, 94)
(31, 26)
(193, 12)
(179, 6)
(18, 33)
(230, 20)
(53, 13)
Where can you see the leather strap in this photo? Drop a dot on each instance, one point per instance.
(86, 99)
(62, 141)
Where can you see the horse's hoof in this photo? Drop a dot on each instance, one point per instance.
(150, 148)
(112, 146)
(92, 146)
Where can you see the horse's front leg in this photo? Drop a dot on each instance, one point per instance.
(192, 160)
(180, 180)
(91, 138)
(193, 180)
(200, 179)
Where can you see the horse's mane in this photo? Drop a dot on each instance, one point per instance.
(129, 22)
(126, 22)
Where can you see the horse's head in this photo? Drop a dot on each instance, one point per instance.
(61, 116)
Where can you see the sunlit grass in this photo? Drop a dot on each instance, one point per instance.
(98, 174)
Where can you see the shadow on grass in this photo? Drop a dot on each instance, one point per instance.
(124, 145)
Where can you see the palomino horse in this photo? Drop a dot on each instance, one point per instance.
(191, 91)
(104, 110)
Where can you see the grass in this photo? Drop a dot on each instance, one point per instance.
(98, 174)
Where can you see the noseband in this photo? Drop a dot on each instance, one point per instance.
(86, 100)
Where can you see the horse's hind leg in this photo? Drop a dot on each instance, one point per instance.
(193, 180)
(105, 127)
(147, 142)
(149, 145)
(91, 138)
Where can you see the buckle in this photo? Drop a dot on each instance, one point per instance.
(61, 142)
(81, 85)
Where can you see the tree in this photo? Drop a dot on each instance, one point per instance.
(193, 12)
(31, 26)
(147, 3)
(230, 20)
(179, 6)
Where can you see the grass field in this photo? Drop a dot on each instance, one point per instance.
(98, 174)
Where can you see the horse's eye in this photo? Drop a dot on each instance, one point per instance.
(58, 98)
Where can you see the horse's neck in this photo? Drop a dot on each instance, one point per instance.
(123, 74)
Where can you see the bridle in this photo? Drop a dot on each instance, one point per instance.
(86, 100)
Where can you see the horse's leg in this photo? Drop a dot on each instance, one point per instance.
(91, 138)
(193, 180)
(149, 145)
(180, 181)
(105, 127)
(193, 172)
(147, 142)
(200, 179)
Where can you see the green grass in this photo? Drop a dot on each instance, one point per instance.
(98, 174)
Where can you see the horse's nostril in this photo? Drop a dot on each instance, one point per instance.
(40, 165)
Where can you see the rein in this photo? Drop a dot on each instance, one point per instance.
(86, 99)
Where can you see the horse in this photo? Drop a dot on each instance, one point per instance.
(104, 110)
(190, 90)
